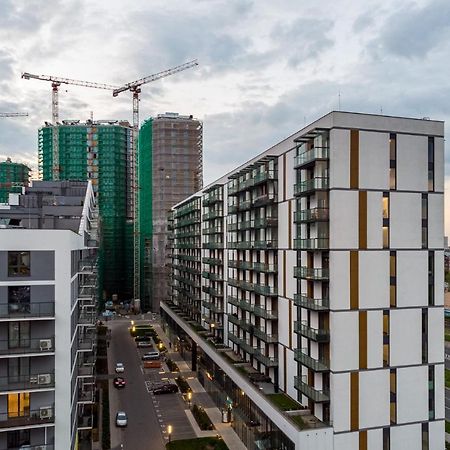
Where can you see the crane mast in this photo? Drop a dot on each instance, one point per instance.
(56, 82)
(135, 88)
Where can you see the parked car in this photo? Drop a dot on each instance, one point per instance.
(120, 368)
(121, 419)
(166, 389)
(145, 337)
(145, 343)
(119, 382)
(151, 356)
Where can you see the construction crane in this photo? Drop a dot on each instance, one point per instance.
(135, 88)
(56, 82)
(14, 114)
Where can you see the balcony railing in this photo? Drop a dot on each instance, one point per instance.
(212, 307)
(266, 222)
(213, 230)
(262, 200)
(265, 313)
(26, 382)
(27, 310)
(244, 344)
(312, 215)
(27, 418)
(257, 267)
(319, 396)
(268, 338)
(214, 214)
(315, 334)
(310, 273)
(272, 243)
(211, 291)
(233, 189)
(246, 184)
(209, 199)
(212, 276)
(318, 365)
(312, 244)
(213, 261)
(243, 206)
(35, 345)
(232, 209)
(269, 291)
(261, 177)
(268, 361)
(314, 304)
(311, 185)
(233, 226)
(316, 153)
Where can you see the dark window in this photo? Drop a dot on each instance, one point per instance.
(19, 264)
(393, 161)
(18, 438)
(18, 299)
(19, 335)
(431, 163)
(386, 438)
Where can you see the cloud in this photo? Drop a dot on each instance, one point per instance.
(413, 31)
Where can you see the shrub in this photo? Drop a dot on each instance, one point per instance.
(172, 365)
(183, 385)
(204, 422)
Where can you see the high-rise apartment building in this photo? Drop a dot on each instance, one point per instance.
(13, 177)
(310, 279)
(170, 167)
(47, 316)
(98, 151)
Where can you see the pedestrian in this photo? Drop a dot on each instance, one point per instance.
(170, 345)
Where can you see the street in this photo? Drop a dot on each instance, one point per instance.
(148, 415)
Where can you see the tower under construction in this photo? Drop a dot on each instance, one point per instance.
(13, 177)
(97, 151)
(171, 168)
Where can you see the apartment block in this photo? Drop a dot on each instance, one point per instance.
(48, 289)
(13, 177)
(170, 169)
(307, 287)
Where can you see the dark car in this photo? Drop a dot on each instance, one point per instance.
(142, 338)
(166, 389)
(119, 382)
(145, 343)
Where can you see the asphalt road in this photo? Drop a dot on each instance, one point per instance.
(144, 426)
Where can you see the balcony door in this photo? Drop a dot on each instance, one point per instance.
(19, 405)
(18, 370)
(19, 335)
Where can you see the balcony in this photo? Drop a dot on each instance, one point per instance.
(212, 307)
(264, 267)
(315, 334)
(246, 184)
(27, 382)
(312, 215)
(318, 396)
(232, 209)
(212, 276)
(241, 303)
(86, 344)
(310, 156)
(214, 214)
(232, 226)
(312, 244)
(233, 189)
(27, 310)
(87, 318)
(245, 325)
(245, 205)
(266, 222)
(262, 177)
(265, 313)
(268, 291)
(41, 416)
(263, 200)
(41, 346)
(318, 365)
(309, 186)
(268, 338)
(212, 198)
(243, 343)
(188, 257)
(240, 245)
(268, 361)
(310, 273)
(213, 261)
(86, 394)
(314, 304)
(266, 244)
(245, 224)
(213, 245)
(85, 371)
(211, 291)
(213, 230)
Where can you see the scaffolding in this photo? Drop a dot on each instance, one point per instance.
(13, 177)
(97, 151)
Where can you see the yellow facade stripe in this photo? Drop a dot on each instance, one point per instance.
(363, 340)
(354, 280)
(354, 401)
(354, 159)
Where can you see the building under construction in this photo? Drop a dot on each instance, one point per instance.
(170, 169)
(98, 151)
(13, 177)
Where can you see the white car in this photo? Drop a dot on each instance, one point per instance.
(120, 368)
(121, 419)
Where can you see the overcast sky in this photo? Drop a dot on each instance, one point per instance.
(266, 68)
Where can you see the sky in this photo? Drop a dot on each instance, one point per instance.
(265, 70)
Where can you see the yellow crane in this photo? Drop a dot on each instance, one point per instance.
(135, 88)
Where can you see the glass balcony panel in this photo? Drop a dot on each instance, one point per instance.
(312, 215)
(315, 334)
(318, 365)
(312, 244)
(315, 304)
(319, 396)
(316, 153)
(313, 184)
(311, 273)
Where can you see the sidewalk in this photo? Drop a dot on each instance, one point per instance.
(200, 396)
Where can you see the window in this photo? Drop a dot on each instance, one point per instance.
(19, 264)
(431, 163)
(19, 405)
(393, 161)
(18, 299)
(19, 335)
(18, 438)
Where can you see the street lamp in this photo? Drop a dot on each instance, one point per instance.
(189, 397)
(169, 431)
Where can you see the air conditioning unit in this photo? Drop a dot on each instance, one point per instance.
(45, 344)
(44, 378)
(46, 412)
(34, 379)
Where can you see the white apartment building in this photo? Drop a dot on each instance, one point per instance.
(316, 270)
(47, 316)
